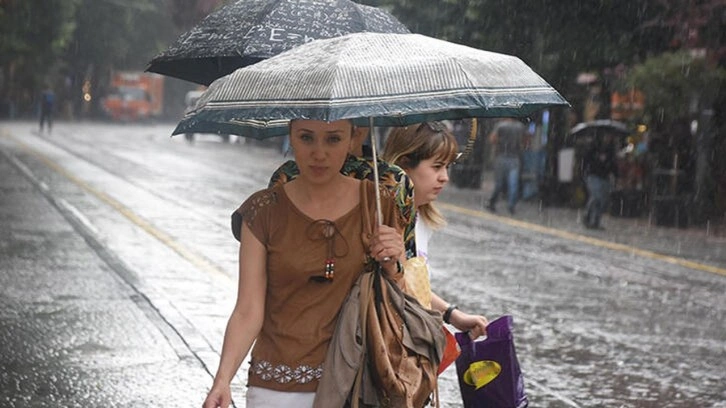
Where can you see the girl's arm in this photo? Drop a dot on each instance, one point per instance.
(475, 325)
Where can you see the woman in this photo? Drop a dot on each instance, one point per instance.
(300, 253)
(425, 153)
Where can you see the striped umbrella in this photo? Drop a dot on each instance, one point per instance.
(372, 79)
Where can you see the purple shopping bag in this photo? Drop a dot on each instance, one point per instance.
(488, 369)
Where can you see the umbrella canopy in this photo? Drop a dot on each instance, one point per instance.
(248, 31)
(391, 79)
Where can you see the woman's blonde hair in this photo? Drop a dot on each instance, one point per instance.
(407, 146)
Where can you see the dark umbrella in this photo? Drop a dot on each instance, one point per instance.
(606, 125)
(586, 132)
(248, 31)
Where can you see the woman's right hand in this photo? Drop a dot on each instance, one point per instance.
(220, 396)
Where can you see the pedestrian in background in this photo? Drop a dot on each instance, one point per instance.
(425, 153)
(47, 102)
(599, 164)
(301, 251)
(507, 138)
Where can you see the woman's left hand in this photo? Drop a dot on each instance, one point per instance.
(475, 325)
(386, 247)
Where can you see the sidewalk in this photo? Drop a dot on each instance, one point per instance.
(700, 244)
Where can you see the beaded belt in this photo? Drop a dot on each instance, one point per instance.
(285, 374)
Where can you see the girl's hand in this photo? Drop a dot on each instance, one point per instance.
(475, 325)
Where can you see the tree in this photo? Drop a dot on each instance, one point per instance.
(558, 39)
(33, 35)
(682, 89)
(69, 43)
(113, 35)
(677, 86)
(186, 13)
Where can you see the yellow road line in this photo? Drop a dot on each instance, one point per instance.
(584, 239)
(195, 259)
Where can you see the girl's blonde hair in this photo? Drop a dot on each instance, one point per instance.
(407, 146)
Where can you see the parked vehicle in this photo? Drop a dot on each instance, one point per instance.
(134, 96)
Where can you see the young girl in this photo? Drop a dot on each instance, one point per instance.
(425, 152)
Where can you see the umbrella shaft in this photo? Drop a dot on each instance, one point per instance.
(374, 148)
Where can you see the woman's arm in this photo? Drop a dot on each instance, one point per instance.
(246, 319)
(475, 325)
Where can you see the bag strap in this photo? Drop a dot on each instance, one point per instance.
(365, 296)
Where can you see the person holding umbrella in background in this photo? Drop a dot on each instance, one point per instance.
(599, 164)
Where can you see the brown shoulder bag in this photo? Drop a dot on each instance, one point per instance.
(405, 342)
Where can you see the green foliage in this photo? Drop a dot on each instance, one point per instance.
(677, 85)
(557, 38)
(48, 42)
(120, 34)
(33, 33)
(36, 26)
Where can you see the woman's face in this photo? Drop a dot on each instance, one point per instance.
(320, 148)
(429, 178)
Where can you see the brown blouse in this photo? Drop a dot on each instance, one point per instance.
(301, 306)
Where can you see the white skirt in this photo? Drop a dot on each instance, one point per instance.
(258, 397)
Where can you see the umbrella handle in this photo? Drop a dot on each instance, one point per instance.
(374, 148)
(470, 142)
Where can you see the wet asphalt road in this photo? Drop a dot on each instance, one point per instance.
(118, 274)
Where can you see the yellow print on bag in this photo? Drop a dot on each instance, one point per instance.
(481, 373)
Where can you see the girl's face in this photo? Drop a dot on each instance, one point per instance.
(429, 178)
(320, 148)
